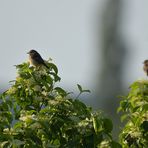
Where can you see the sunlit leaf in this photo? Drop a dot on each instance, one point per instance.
(61, 91)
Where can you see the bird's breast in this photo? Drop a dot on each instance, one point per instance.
(33, 62)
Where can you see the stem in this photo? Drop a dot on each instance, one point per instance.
(78, 95)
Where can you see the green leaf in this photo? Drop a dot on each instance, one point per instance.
(123, 117)
(49, 80)
(119, 109)
(87, 91)
(4, 144)
(108, 125)
(79, 87)
(144, 125)
(145, 107)
(53, 67)
(97, 125)
(124, 104)
(61, 91)
(82, 90)
(56, 77)
(18, 125)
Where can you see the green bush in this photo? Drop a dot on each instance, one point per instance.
(135, 109)
(36, 113)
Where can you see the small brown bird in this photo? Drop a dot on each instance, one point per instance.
(35, 59)
(145, 67)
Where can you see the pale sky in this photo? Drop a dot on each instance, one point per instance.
(58, 29)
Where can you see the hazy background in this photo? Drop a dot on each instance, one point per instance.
(99, 44)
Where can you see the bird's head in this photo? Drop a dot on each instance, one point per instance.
(145, 62)
(32, 52)
(146, 66)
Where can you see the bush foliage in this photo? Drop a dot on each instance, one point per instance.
(135, 109)
(36, 113)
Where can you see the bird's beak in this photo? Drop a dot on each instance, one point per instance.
(27, 52)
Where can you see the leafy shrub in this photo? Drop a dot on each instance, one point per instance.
(135, 108)
(35, 112)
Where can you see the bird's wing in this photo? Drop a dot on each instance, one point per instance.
(38, 58)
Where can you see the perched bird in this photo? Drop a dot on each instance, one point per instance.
(35, 59)
(145, 67)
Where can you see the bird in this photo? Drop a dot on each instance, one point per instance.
(145, 67)
(35, 59)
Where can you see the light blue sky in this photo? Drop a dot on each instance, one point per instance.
(65, 31)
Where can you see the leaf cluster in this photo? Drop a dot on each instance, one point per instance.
(36, 113)
(135, 109)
